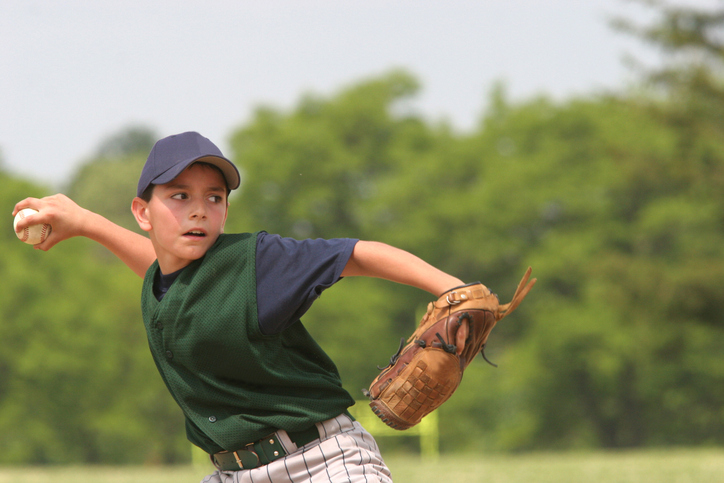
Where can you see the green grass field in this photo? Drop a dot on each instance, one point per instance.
(671, 466)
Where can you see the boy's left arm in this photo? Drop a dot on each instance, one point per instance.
(375, 259)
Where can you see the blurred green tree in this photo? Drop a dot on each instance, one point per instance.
(120, 158)
(76, 382)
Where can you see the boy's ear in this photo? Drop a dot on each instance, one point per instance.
(139, 208)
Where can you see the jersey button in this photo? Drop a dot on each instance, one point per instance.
(212, 419)
(169, 355)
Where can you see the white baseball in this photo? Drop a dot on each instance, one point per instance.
(33, 234)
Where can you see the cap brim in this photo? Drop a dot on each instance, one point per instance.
(231, 174)
(233, 179)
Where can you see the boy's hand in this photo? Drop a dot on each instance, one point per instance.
(65, 217)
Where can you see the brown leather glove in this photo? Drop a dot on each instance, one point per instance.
(424, 373)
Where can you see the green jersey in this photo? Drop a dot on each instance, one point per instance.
(233, 383)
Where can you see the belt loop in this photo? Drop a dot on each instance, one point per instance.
(286, 442)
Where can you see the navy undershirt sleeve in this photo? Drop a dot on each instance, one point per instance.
(291, 274)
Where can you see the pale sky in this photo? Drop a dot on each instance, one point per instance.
(74, 72)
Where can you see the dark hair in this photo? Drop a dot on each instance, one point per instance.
(148, 192)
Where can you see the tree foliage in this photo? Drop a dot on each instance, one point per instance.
(76, 382)
(106, 183)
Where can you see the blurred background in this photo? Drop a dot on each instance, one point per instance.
(585, 139)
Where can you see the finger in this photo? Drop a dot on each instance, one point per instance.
(26, 203)
(30, 220)
(47, 244)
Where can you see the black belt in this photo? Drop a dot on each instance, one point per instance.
(261, 452)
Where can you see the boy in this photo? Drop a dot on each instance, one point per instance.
(222, 317)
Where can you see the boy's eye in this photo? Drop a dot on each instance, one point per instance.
(179, 196)
(216, 199)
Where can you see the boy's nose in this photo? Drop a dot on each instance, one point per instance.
(198, 210)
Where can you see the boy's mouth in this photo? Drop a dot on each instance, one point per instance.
(195, 233)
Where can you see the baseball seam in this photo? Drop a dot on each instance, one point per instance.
(44, 232)
(26, 230)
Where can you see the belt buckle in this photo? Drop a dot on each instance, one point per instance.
(250, 448)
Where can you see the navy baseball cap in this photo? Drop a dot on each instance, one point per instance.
(172, 154)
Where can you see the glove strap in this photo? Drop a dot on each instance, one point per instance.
(463, 293)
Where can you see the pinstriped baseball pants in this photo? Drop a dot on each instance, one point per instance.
(346, 452)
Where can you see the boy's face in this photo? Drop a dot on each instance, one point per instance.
(185, 216)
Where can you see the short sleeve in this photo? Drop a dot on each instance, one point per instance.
(291, 274)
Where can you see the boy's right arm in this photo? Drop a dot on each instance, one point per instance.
(69, 220)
